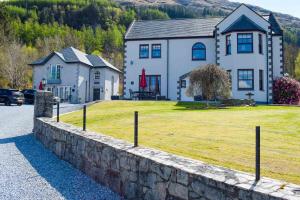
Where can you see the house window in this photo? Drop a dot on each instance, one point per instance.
(245, 79)
(144, 51)
(97, 75)
(156, 50)
(261, 80)
(260, 44)
(55, 72)
(183, 83)
(153, 84)
(198, 51)
(245, 43)
(228, 45)
(229, 77)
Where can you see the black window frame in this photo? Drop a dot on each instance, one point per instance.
(183, 83)
(261, 80)
(238, 80)
(260, 43)
(193, 49)
(140, 48)
(244, 52)
(228, 45)
(159, 51)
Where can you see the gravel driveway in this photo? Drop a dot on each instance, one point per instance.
(29, 171)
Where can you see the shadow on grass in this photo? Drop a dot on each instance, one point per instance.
(198, 106)
(69, 182)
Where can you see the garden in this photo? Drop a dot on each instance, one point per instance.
(223, 136)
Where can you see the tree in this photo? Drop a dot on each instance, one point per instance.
(14, 61)
(209, 81)
(297, 67)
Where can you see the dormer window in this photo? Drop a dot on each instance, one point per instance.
(245, 43)
(228, 45)
(199, 51)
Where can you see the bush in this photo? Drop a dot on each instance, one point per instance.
(286, 91)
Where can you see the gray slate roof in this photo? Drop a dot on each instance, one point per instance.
(275, 25)
(243, 24)
(175, 28)
(72, 55)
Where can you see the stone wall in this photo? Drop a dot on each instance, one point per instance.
(144, 173)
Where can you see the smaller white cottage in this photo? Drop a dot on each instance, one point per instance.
(75, 76)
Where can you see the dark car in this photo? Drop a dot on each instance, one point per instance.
(29, 95)
(11, 96)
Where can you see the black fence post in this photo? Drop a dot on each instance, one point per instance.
(257, 148)
(84, 118)
(136, 129)
(57, 112)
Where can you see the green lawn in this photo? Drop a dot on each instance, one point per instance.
(223, 137)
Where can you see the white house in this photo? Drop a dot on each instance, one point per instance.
(75, 76)
(246, 44)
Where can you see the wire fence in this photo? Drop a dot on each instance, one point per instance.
(141, 125)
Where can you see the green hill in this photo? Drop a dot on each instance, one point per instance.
(37, 27)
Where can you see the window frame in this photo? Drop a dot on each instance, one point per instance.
(148, 77)
(260, 43)
(140, 48)
(159, 51)
(238, 80)
(193, 49)
(237, 38)
(183, 83)
(227, 45)
(261, 80)
(96, 75)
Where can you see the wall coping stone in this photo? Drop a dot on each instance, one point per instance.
(223, 177)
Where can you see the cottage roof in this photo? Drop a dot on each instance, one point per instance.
(73, 55)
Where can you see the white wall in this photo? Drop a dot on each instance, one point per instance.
(152, 66)
(181, 60)
(68, 74)
(277, 52)
(83, 83)
(108, 84)
(237, 61)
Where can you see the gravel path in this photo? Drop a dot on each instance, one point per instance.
(29, 171)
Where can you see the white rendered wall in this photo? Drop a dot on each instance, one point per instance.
(68, 74)
(277, 56)
(152, 66)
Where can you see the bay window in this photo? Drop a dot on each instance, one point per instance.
(245, 43)
(245, 79)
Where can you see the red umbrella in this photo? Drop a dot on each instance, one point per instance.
(41, 86)
(143, 82)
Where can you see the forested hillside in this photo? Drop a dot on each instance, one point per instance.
(33, 28)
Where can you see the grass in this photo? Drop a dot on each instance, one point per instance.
(224, 137)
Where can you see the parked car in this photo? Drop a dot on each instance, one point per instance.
(11, 96)
(29, 95)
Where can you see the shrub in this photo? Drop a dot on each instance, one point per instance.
(286, 91)
(209, 81)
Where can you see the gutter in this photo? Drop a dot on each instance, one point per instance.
(168, 69)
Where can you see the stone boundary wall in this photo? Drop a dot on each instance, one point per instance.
(148, 174)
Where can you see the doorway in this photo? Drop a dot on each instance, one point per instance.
(96, 94)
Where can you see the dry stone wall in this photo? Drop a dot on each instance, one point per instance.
(148, 174)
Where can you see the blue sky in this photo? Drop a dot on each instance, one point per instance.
(291, 7)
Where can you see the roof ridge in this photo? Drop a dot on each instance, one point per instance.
(175, 19)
